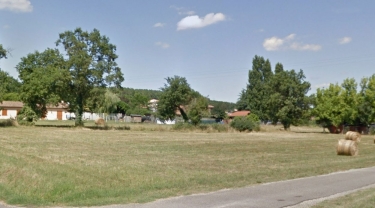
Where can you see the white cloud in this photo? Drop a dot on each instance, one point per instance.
(345, 40)
(16, 5)
(195, 21)
(288, 43)
(159, 24)
(162, 45)
(182, 10)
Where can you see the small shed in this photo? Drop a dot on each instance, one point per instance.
(136, 118)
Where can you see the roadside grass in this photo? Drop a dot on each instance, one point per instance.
(360, 199)
(85, 167)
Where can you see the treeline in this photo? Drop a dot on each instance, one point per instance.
(347, 104)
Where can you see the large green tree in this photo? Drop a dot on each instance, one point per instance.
(44, 79)
(257, 91)
(91, 61)
(288, 102)
(176, 93)
(329, 105)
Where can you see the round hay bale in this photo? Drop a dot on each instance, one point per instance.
(352, 135)
(99, 121)
(347, 147)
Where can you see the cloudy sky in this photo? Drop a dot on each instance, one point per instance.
(211, 42)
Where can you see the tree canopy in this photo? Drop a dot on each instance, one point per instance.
(91, 62)
(343, 104)
(177, 95)
(43, 80)
(278, 96)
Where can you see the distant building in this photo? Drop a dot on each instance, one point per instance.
(231, 116)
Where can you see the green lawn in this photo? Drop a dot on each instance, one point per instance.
(42, 166)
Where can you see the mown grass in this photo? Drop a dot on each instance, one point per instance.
(84, 167)
(360, 199)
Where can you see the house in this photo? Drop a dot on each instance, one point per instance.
(231, 116)
(10, 109)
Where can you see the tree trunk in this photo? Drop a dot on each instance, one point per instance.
(79, 111)
(183, 114)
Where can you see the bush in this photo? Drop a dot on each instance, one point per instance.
(26, 116)
(7, 122)
(248, 123)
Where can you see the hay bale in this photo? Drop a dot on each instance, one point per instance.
(99, 121)
(352, 135)
(347, 147)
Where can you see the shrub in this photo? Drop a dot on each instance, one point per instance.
(248, 123)
(26, 116)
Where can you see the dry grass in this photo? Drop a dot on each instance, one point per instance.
(82, 167)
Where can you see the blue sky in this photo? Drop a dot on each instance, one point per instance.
(211, 42)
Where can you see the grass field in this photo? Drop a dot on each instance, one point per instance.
(49, 166)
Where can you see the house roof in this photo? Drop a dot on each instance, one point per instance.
(239, 113)
(19, 104)
(12, 104)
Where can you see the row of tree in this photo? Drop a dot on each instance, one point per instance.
(346, 103)
(87, 77)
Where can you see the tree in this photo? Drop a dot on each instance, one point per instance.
(43, 79)
(109, 102)
(366, 101)
(3, 52)
(91, 63)
(9, 87)
(257, 91)
(328, 106)
(288, 101)
(176, 93)
(197, 110)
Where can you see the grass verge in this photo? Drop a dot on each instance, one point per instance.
(84, 167)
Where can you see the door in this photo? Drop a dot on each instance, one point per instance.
(4, 112)
(59, 115)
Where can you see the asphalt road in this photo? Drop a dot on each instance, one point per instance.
(297, 193)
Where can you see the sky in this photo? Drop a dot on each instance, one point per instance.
(211, 43)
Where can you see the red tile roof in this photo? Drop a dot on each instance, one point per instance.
(239, 113)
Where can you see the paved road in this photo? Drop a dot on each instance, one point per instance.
(302, 192)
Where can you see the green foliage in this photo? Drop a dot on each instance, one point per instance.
(220, 107)
(246, 123)
(109, 103)
(197, 110)
(288, 102)
(7, 122)
(43, 79)
(27, 116)
(258, 89)
(175, 94)
(126, 93)
(9, 87)
(91, 63)
(3, 52)
(279, 96)
(338, 105)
